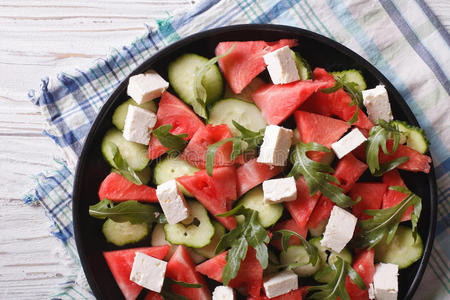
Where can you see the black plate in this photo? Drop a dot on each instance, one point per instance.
(319, 51)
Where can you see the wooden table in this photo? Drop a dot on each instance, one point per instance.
(39, 38)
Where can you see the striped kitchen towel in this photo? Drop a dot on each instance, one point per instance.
(402, 38)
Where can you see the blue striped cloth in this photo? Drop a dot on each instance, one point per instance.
(402, 38)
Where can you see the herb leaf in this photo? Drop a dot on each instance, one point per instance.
(167, 292)
(317, 175)
(130, 210)
(385, 221)
(249, 233)
(336, 287)
(122, 166)
(390, 165)
(175, 143)
(310, 249)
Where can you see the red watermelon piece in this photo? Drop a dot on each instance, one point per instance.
(250, 273)
(253, 173)
(246, 60)
(117, 188)
(319, 129)
(297, 294)
(371, 194)
(417, 162)
(181, 268)
(173, 111)
(303, 206)
(392, 198)
(195, 152)
(321, 212)
(364, 265)
(278, 101)
(291, 225)
(153, 296)
(120, 263)
(216, 193)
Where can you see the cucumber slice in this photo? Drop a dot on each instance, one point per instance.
(196, 231)
(413, 136)
(171, 168)
(268, 214)
(144, 175)
(182, 73)
(135, 154)
(124, 233)
(352, 76)
(402, 250)
(209, 250)
(246, 93)
(245, 113)
(297, 254)
(303, 68)
(120, 114)
(319, 230)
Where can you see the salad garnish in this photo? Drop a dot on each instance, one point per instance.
(390, 165)
(175, 143)
(310, 249)
(122, 166)
(168, 294)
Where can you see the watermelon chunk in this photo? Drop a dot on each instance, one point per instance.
(253, 173)
(301, 208)
(216, 193)
(250, 273)
(364, 265)
(278, 101)
(181, 268)
(319, 129)
(321, 212)
(417, 162)
(246, 60)
(371, 194)
(173, 111)
(392, 198)
(291, 225)
(120, 263)
(195, 152)
(297, 294)
(153, 296)
(117, 188)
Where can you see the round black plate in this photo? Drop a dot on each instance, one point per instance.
(319, 51)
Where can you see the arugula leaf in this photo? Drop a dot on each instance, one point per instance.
(168, 294)
(385, 221)
(249, 233)
(122, 166)
(199, 90)
(310, 249)
(336, 287)
(175, 143)
(378, 136)
(247, 141)
(390, 165)
(130, 210)
(317, 175)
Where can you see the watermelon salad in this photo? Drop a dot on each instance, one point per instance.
(242, 176)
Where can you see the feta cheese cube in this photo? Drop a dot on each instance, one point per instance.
(280, 283)
(281, 66)
(145, 87)
(275, 147)
(223, 293)
(377, 104)
(138, 125)
(172, 202)
(279, 190)
(385, 281)
(339, 230)
(148, 272)
(348, 143)
(371, 291)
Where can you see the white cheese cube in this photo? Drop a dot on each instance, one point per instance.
(377, 104)
(275, 147)
(339, 230)
(148, 272)
(138, 125)
(279, 190)
(145, 87)
(172, 202)
(348, 143)
(371, 291)
(280, 283)
(281, 66)
(223, 293)
(385, 281)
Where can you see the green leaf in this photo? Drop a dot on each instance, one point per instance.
(317, 175)
(212, 149)
(378, 137)
(174, 143)
(235, 255)
(130, 210)
(167, 292)
(385, 221)
(390, 165)
(122, 166)
(336, 87)
(310, 249)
